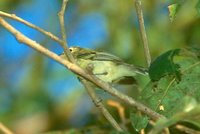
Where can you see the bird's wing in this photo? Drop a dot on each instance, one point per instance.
(99, 56)
(85, 54)
(102, 56)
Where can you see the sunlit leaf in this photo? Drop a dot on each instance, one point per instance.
(173, 9)
(166, 95)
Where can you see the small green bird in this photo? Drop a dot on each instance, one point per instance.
(105, 66)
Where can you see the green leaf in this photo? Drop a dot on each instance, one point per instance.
(173, 9)
(164, 65)
(138, 121)
(190, 116)
(165, 96)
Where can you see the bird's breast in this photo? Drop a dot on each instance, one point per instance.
(107, 71)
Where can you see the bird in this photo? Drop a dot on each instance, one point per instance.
(106, 66)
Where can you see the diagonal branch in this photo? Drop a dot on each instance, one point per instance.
(14, 17)
(186, 129)
(4, 129)
(79, 71)
(99, 104)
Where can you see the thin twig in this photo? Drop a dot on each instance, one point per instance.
(86, 84)
(138, 5)
(14, 17)
(121, 110)
(186, 129)
(79, 71)
(4, 129)
(98, 103)
(63, 32)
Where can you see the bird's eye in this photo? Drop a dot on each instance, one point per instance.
(70, 49)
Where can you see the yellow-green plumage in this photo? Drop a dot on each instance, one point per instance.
(105, 66)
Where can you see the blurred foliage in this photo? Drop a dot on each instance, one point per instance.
(7, 5)
(36, 91)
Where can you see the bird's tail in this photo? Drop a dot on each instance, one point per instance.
(138, 69)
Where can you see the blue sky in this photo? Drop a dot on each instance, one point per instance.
(88, 30)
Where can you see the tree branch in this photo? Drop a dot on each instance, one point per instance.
(4, 129)
(186, 130)
(48, 34)
(99, 104)
(120, 109)
(138, 5)
(63, 32)
(76, 69)
(86, 84)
